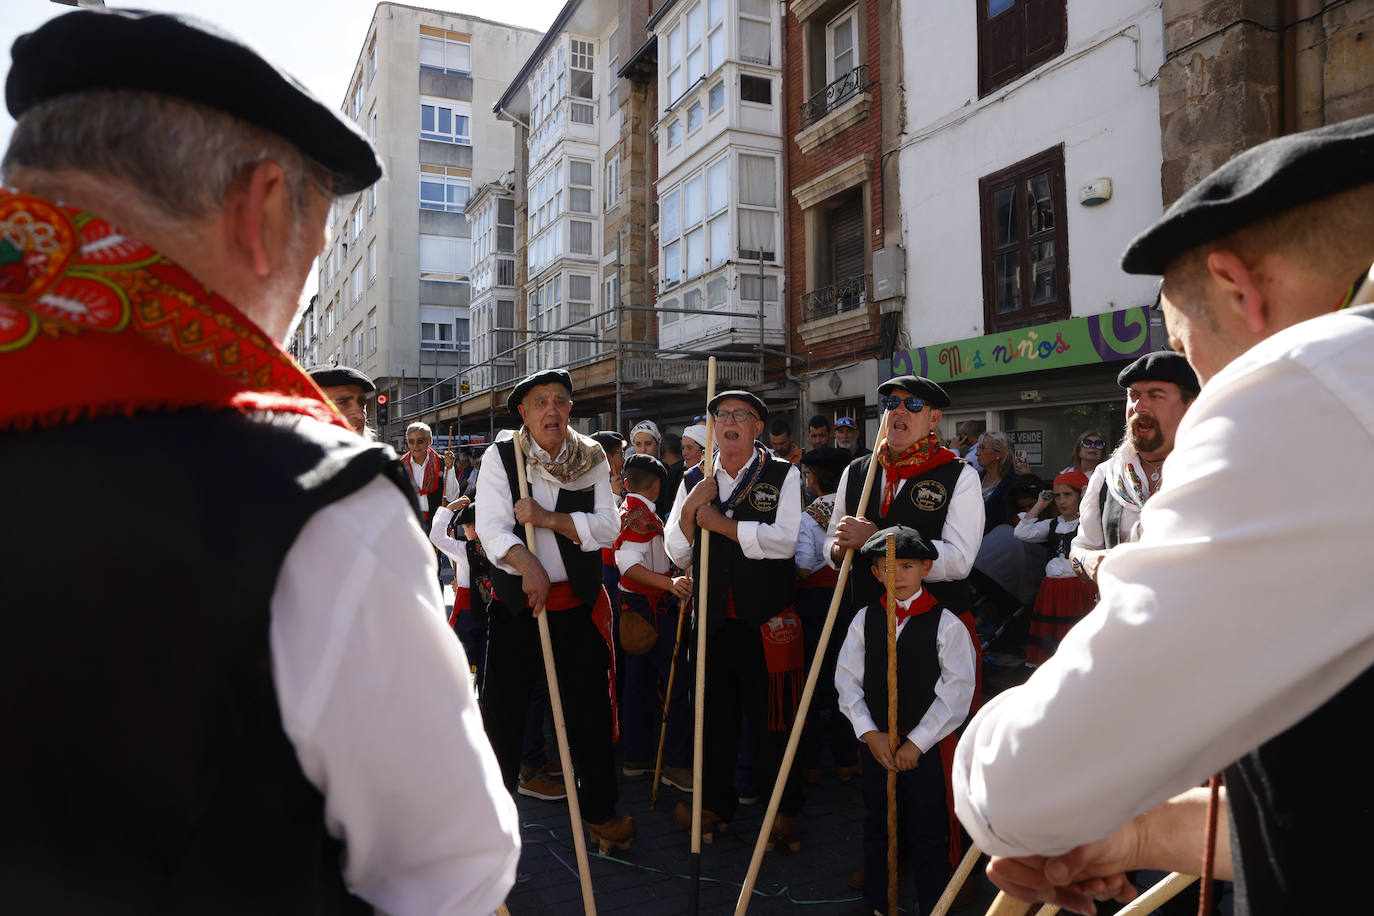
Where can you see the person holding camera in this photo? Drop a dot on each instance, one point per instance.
(1063, 599)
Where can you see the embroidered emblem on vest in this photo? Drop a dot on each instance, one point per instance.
(764, 497)
(929, 495)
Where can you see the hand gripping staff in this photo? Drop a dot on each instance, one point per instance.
(794, 737)
(556, 701)
(1169, 887)
(703, 567)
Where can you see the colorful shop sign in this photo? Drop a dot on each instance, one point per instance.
(1108, 337)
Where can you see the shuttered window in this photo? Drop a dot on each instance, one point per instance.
(1025, 243)
(1015, 37)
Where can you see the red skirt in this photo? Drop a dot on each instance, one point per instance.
(1059, 605)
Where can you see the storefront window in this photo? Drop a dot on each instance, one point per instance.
(1049, 434)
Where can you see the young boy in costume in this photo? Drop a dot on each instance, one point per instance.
(936, 664)
(650, 595)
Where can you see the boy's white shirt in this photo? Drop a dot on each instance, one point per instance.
(652, 555)
(953, 691)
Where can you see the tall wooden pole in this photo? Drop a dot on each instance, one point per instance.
(955, 883)
(892, 737)
(794, 737)
(703, 578)
(667, 699)
(556, 701)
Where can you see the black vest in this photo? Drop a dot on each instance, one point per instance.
(146, 768)
(1109, 511)
(918, 666)
(763, 588)
(922, 502)
(583, 566)
(1060, 542)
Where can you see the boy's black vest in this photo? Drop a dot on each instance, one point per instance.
(918, 666)
(763, 588)
(921, 503)
(146, 767)
(583, 566)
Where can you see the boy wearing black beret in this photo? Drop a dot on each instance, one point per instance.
(936, 676)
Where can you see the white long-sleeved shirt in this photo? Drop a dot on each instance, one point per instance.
(959, 539)
(758, 541)
(496, 515)
(649, 554)
(1243, 607)
(1037, 531)
(454, 549)
(953, 691)
(1090, 536)
(374, 696)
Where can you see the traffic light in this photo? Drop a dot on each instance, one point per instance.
(382, 410)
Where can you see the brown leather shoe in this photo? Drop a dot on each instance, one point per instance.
(856, 877)
(538, 784)
(812, 775)
(844, 774)
(711, 824)
(785, 831)
(617, 833)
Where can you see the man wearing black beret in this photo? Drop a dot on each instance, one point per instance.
(1236, 634)
(1159, 388)
(167, 189)
(348, 390)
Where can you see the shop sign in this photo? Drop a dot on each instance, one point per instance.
(1030, 441)
(1104, 338)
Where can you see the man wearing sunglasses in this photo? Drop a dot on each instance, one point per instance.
(754, 650)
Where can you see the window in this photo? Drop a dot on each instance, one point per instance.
(445, 52)
(372, 261)
(756, 89)
(693, 117)
(372, 198)
(581, 113)
(696, 54)
(674, 133)
(444, 258)
(582, 60)
(448, 122)
(579, 237)
(358, 99)
(715, 98)
(670, 233)
(611, 300)
(579, 186)
(755, 31)
(580, 310)
(693, 233)
(672, 60)
(357, 283)
(505, 320)
(371, 61)
(758, 199)
(667, 316)
(505, 271)
(1025, 243)
(358, 216)
(444, 192)
(612, 185)
(717, 204)
(1015, 37)
(372, 127)
(841, 50)
(358, 345)
(505, 225)
(715, 34)
(372, 331)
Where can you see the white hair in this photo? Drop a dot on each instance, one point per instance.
(422, 427)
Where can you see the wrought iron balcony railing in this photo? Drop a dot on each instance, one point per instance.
(850, 293)
(834, 95)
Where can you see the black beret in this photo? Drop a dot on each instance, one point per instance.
(919, 386)
(190, 59)
(335, 376)
(467, 516)
(1261, 182)
(542, 377)
(648, 463)
(747, 397)
(1160, 366)
(910, 545)
(828, 458)
(610, 440)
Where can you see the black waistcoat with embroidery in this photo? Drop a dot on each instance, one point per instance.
(762, 588)
(922, 503)
(583, 566)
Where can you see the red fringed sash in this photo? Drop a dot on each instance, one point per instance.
(785, 660)
(94, 322)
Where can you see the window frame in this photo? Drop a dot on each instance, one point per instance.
(852, 15)
(458, 110)
(444, 43)
(1016, 18)
(1016, 176)
(446, 181)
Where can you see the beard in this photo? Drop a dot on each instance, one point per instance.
(1144, 434)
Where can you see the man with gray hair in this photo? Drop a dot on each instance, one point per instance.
(427, 473)
(167, 189)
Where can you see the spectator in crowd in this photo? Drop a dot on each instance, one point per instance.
(671, 450)
(999, 476)
(847, 437)
(693, 445)
(965, 442)
(349, 390)
(645, 437)
(1088, 451)
(470, 488)
(613, 444)
(818, 431)
(1063, 598)
(780, 440)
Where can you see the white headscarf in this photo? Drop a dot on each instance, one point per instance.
(646, 426)
(697, 433)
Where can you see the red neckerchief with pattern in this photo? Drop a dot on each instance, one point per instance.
(924, 455)
(94, 322)
(639, 523)
(432, 475)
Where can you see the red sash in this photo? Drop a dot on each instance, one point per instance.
(94, 322)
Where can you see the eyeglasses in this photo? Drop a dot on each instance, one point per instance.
(738, 414)
(892, 402)
(1093, 443)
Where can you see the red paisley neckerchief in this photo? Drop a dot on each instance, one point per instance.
(94, 322)
(431, 476)
(924, 455)
(639, 523)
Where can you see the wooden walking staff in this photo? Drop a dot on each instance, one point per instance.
(699, 720)
(1007, 905)
(957, 882)
(794, 738)
(892, 737)
(556, 701)
(667, 698)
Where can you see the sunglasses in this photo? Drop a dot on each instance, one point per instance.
(892, 402)
(1093, 443)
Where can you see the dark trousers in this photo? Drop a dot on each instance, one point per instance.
(471, 628)
(825, 725)
(641, 714)
(540, 713)
(582, 663)
(922, 820)
(737, 685)
(610, 578)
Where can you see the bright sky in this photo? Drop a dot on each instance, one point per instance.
(317, 41)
